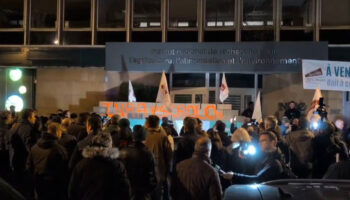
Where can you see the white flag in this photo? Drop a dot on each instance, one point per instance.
(132, 97)
(163, 92)
(315, 103)
(257, 115)
(223, 89)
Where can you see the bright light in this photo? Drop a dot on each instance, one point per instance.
(254, 186)
(314, 125)
(55, 42)
(251, 150)
(15, 74)
(16, 101)
(22, 89)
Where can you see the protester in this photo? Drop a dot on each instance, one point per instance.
(169, 124)
(220, 127)
(249, 111)
(338, 170)
(140, 166)
(270, 168)
(195, 178)
(99, 175)
(78, 130)
(93, 127)
(292, 112)
(47, 161)
(158, 144)
(5, 121)
(124, 136)
(67, 141)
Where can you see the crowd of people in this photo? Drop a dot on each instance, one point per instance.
(86, 156)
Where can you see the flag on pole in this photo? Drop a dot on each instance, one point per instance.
(132, 97)
(163, 92)
(315, 103)
(223, 89)
(257, 115)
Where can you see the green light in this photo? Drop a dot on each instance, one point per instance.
(15, 74)
(22, 89)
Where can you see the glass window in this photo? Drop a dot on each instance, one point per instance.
(107, 36)
(219, 36)
(11, 13)
(146, 36)
(335, 36)
(239, 80)
(183, 98)
(43, 38)
(11, 38)
(111, 14)
(334, 14)
(212, 79)
(182, 13)
(147, 13)
(77, 13)
(43, 13)
(257, 35)
(188, 80)
(297, 13)
(297, 35)
(220, 13)
(258, 13)
(182, 36)
(79, 38)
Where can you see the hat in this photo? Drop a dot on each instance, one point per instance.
(102, 139)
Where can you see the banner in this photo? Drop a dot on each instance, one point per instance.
(327, 75)
(179, 111)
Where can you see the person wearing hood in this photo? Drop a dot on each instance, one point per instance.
(47, 162)
(300, 144)
(99, 175)
(271, 167)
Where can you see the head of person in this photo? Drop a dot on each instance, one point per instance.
(5, 117)
(83, 117)
(220, 126)
(240, 135)
(74, 117)
(251, 105)
(94, 124)
(114, 119)
(291, 105)
(199, 124)
(66, 123)
(54, 128)
(270, 123)
(101, 145)
(152, 121)
(268, 141)
(339, 122)
(165, 120)
(29, 115)
(123, 124)
(190, 125)
(203, 147)
(139, 133)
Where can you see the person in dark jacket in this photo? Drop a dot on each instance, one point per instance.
(300, 144)
(195, 178)
(249, 111)
(167, 123)
(67, 141)
(185, 145)
(78, 130)
(338, 170)
(99, 175)
(93, 127)
(292, 112)
(5, 121)
(22, 137)
(326, 146)
(112, 125)
(47, 162)
(140, 167)
(221, 126)
(270, 168)
(124, 136)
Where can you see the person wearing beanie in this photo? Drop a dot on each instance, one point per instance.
(99, 175)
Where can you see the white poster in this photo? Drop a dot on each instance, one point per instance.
(328, 75)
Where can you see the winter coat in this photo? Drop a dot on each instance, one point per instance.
(185, 147)
(69, 142)
(23, 137)
(338, 170)
(4, 152)
(140, 167)
(300, 144)
(292, 113)
(325, 148)
(99, 176)
(158, 144)
(47, 161)
(225, 139)
(77, 130)
(196, 179)
(270, 168)
(77, 153)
